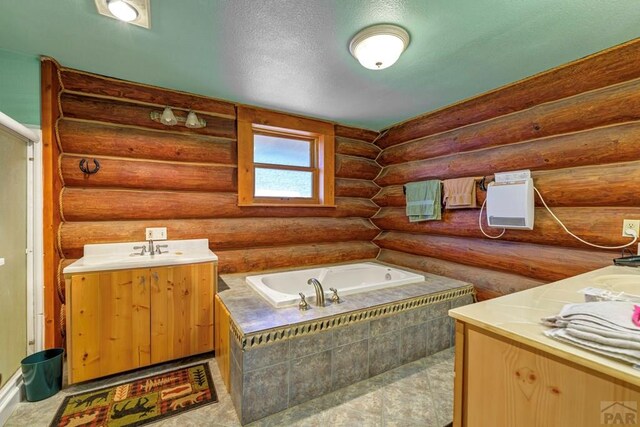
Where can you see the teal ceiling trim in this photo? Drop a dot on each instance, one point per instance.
(292, 55)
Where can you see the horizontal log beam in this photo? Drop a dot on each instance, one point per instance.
(391, 196)
(598, 185)
(487, 282)
(593, 147)
(483, 294)
(611, 105)
(92, 84)
(602, 69)
(236, 261)
(149, 175)
(123, 113)
(356, 133)
(547, 263)
(356, 167)
(356, 188)
(79, 204)
(598, 225)
(104, 139)
(356, 148)
(223, 233)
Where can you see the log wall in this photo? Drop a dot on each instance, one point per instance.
(577, 127)
(186, 179)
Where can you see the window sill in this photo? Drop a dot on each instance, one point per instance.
(287, 205)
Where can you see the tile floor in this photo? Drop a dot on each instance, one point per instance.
(416, 394)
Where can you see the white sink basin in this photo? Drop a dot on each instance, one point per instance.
(627, 283)
(120, 256)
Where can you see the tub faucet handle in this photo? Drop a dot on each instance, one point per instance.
(303, 304)
(335, 298)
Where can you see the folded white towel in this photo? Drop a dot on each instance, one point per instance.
(595, 328)
(601, 339)
(612, 315)
(628, 356)
(604, 327)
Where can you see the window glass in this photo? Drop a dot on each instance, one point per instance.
(278, 150)
(283, 183)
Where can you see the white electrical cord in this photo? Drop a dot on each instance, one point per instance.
(630, 233)
(504, 230)
(634, 235)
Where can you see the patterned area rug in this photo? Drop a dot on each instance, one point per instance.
(140, 401)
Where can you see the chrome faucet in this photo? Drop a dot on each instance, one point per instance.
(159, 249)
(319, 291)
(151, 248)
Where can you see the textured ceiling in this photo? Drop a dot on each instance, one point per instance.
(292, 55)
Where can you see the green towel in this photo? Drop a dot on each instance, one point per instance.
(423, 200)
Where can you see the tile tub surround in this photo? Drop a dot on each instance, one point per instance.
(269, 377)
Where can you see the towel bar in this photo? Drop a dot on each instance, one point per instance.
(482, 184)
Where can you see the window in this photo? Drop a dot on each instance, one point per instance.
(284, 160)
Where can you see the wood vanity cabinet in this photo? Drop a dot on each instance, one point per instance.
(126, 319)
(501, 382)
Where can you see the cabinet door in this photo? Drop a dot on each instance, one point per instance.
(182, 311)
(109, 323)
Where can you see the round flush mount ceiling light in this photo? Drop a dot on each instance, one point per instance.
(379, 46)
(122, 10)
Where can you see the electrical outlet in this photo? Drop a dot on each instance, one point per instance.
(157, 233)
(630, 224)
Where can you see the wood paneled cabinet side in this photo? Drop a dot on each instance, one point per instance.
(126, 319)
(222, 341)
(500, 382)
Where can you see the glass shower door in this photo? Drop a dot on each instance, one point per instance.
(13, 257)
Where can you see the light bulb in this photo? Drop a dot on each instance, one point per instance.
(168, 118)
(122, 10)
(192, 121)
(379, 52)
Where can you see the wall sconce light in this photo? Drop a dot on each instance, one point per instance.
(193, 121)
(167, 118)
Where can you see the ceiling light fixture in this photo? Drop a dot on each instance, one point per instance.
(379, 46)
(122, 10)
(134, 12)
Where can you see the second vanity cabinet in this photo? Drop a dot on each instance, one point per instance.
(125, 319)
(509, 373)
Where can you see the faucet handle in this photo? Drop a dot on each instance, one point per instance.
(335, 298)
(303, 304)
(159, 249)
(142, 250)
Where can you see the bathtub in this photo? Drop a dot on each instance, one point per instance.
(282, 289)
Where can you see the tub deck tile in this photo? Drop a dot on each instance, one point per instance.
(252, 314)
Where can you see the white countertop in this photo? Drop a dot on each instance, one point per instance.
(517, 316)
(122, 256)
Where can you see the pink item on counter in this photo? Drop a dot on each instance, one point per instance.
(636, 315)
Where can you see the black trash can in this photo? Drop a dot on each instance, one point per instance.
(42, 373)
